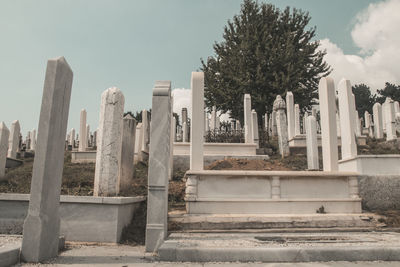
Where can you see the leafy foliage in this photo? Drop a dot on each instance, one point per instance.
(365, 100)
(265, 52)
(390, 90)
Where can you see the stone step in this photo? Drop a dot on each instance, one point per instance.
(180, 220)
(281, 247)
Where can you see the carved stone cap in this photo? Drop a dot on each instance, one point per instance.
(279, 103)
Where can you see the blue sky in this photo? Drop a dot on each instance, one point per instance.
(127, 44)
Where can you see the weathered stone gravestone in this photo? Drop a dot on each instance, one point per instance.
(127, 152)
(290, 114)
(327, 104)
(108, 154)
(33, 140)
(13, 142)
(42, 224)
(378, 128)
(159, 161)
(4, 135)
(297, 120)
(28, 140)
(390, 121)
(312, 143)
(255, 128)
(82, 131)
(349, 145)
(248, 129)
(279, 108)
(197, 137)
(72, 138)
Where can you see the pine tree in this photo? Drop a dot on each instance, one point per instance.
(365, 100)
(265, 52)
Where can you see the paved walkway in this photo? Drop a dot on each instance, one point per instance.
(122, 255)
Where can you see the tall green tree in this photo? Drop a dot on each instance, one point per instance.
(364, 98)
(264, 52)
(390, 90)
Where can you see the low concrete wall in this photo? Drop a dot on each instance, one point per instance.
(89, 219)
(380, 192)
(372, 164)
(271, 192)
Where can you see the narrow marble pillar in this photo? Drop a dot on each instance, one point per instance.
(87, 135)
(338, 129)
(305, 115)
(28, 140)
(213, 121)
(196, 131)
(157, 200)
(4, 136)
(357, 124)
(173, 128)
(247, 119)
(42, 225)
(274, 127)
(232, 126)
(72, 138)
(390, 121)
(349, 145)
(371, 127)
(396, 107)
(171, 144)
(145, 131)
(312, 143)
(126, 168)
(283, 142)
(206, 123)
(184, 115)
(185, 132)
(327, 104)
(266, 122)
(82, 131)
(297, 120)
(217, 122)
(108, 156)
(33, 139)
(366, 119)
(255, 128)
(355, 116)
(378, 128)
(314, 113)
(384, 113)
(13, 141)
(95, 138)
(290, 114)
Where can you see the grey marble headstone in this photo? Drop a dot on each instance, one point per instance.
(13, 141)
(127, 152)
(4, 135)
(159, 160)
(42, 225)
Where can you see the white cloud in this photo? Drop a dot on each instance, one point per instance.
(377, 35)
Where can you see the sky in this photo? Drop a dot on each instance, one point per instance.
(130, 44)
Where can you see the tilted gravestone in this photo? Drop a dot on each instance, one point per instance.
(42, 224)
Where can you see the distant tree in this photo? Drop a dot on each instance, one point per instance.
(364, 98)
(264, 52)
(390, 90)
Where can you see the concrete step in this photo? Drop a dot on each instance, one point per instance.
(180, 220)
(281, 247)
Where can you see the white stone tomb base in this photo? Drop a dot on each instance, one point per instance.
(271, 192)
(372, 164)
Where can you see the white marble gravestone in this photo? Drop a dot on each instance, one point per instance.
(13, 142)
(327, 104)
